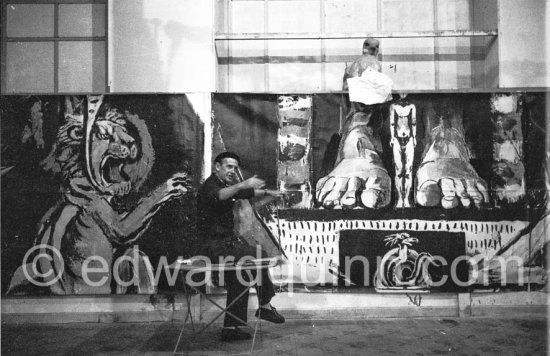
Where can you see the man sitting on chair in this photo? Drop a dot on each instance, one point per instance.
(215, 201)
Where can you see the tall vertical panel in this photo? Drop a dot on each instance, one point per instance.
(508, 183)
(293, 171)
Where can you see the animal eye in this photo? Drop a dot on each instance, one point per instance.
(75, 132)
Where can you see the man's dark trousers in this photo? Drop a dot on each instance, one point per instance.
(217, 250)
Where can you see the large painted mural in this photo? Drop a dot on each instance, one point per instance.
(422, 192)
(388, 185)
(89, 183)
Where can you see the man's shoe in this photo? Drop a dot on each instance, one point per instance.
(270, 315)
(235, 335)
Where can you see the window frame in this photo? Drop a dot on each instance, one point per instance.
(55, 39)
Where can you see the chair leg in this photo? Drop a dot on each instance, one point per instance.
(179, 338)
(257, 327)
(224, 310)
(188, 316)
(188, 301)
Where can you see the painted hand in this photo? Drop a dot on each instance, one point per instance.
(178, 185)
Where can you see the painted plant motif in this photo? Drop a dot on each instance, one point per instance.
(102, 158)
(402, 267)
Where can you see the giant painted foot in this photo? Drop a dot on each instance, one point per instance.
(355, 181)
(446, 176)
(359, 177)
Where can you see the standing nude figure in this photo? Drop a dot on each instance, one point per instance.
(403, 142)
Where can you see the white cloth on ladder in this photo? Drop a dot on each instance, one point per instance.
(372, 87)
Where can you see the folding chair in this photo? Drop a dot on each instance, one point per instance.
(199, 266)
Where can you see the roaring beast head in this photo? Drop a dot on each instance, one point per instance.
(112, 150)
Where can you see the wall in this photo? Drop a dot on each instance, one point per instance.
(161, 46)
(516, 58)
(524, 48)
(301, 65)
(167, 45)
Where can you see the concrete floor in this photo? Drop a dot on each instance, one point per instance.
(411, 336)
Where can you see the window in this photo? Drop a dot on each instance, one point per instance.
(57, 46)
